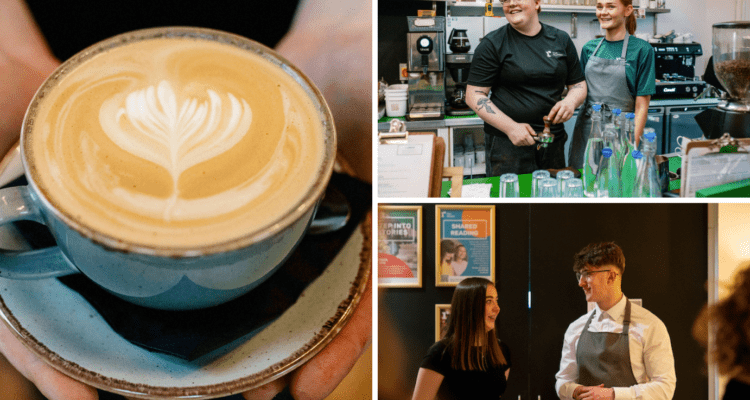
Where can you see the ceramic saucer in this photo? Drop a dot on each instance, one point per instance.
(66, 332)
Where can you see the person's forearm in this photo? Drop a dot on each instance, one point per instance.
(479, 101)
(577, 94)
(641, 115)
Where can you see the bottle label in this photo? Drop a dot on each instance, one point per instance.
(637, 154)
(607, 152)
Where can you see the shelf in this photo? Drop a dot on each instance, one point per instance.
(477, 8)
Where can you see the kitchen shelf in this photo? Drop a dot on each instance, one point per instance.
(477, 8)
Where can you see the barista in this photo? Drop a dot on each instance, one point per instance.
(620, 73)
(619, 350)
(527, 65)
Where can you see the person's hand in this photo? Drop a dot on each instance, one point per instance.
(25, 62)
(331, 42)
(322, 374)
(594, 393)
(522, 135)
(53, 384)
(561, 112)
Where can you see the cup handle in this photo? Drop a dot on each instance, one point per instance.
(16, 204)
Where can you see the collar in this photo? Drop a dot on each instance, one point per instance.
(616, 312)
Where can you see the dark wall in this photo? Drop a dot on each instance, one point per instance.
(666, 255)
(392, 29)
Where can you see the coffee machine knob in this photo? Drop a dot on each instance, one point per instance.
(424, 45)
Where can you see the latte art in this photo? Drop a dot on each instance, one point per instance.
(176, 142)
(153, 126)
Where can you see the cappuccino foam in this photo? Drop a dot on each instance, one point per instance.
(176, 142)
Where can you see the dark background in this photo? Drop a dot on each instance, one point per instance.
(666, 252)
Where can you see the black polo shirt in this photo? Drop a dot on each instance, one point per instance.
(527, 74)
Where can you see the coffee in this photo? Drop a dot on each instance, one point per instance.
(174, 142)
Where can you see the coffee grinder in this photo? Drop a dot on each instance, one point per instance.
(458, 64)
(426, 59)
(731, 64)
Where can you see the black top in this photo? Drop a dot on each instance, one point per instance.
(71, 26)
(527, 74)
(475, 385)
(736, 390)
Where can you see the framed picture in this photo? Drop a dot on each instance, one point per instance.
(442, 313)
(400, 246)
(465, 243)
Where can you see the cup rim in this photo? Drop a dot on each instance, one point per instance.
(296, 211)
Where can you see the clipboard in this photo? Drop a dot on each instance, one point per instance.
(709, 163)
(410, 164)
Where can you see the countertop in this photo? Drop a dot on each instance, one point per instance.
(473, 120)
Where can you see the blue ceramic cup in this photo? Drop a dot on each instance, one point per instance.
(156, 275)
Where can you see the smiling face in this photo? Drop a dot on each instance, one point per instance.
(594, 282)
(461, 253)
(521, 13)
(491, 309)
(612, 13)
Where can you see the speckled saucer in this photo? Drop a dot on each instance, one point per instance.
(66, 332)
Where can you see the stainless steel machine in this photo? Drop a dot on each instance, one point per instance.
(731, 65)
(426, 68)
(675, 70)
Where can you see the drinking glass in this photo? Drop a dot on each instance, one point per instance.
(573, 188)
(562, 178)
(536, 178)
(509, 185)
(548, 188)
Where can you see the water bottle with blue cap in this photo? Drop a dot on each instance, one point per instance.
(592, 154)
(647, 181)
(608, 177)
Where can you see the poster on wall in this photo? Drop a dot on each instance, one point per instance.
(465, 243)
(400, 246)
(442, 313)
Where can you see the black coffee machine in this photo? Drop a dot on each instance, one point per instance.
(729, 70)
(675, 70)
(458, 65)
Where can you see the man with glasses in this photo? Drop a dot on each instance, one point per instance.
(619, 350)
(525, 65)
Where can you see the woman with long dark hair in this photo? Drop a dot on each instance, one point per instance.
(469, 362)
(620, 73)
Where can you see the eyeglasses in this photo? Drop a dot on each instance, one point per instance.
(587, 274)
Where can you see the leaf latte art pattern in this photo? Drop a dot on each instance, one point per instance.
(155, 126)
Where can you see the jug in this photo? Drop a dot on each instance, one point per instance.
(459, 41)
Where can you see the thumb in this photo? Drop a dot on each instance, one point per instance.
(553, 111)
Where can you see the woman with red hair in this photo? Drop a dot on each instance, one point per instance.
(620, 73)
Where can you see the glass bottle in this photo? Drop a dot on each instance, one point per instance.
(632, 155)
(608, 177)
(593, 152)
(618, 118)
(647, 181)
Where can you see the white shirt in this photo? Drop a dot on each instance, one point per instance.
(650, 353)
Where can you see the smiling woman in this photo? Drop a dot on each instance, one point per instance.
(526, 65)
(469, 361)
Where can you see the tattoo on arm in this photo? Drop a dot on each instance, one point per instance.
(577, 86)
(485, 103)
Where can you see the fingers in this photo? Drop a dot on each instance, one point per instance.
(53, 384)
(323, 373)
(267, 391)
(553, 113)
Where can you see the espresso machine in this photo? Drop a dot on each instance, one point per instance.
(731, 66)
(458, 64)
(675, 70)
(426, 67)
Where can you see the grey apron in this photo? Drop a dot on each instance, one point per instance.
(607, 85)
(604, 357)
